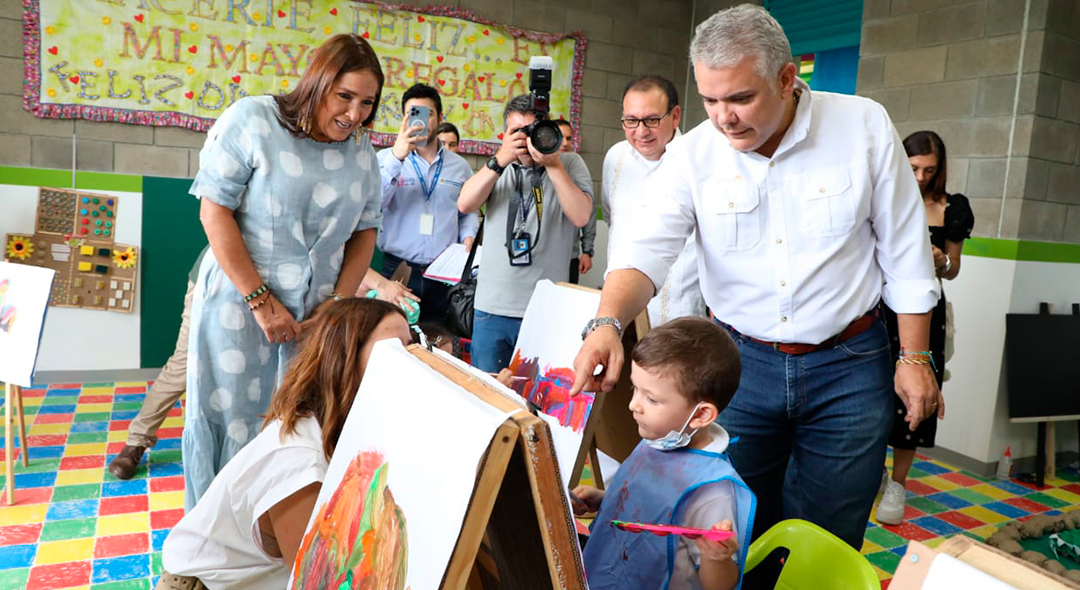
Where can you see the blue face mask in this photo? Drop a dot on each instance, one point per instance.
(674, 440)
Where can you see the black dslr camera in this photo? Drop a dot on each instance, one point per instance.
(545, 134)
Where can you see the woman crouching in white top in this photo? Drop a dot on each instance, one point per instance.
(245, 531)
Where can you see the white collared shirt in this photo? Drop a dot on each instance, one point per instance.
(795, 247)
(626, 173)
(404, 202)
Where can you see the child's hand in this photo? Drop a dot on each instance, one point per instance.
(585, 499)
(718, 550)
(506, 378)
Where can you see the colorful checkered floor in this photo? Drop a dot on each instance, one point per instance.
(943, 501)
(75, 526)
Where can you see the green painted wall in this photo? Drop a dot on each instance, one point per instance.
(171, 241)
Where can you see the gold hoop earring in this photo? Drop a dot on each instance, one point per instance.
(305, 125)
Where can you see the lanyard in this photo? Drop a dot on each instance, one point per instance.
(520, 204)
(423, 184)
(537, 196)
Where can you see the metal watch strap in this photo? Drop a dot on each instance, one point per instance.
(604, 321)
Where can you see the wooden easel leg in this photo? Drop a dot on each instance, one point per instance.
(1051, 451)
(1040, 456)
(9, 481)
(475, 582)
(23, 445)
(594, 462)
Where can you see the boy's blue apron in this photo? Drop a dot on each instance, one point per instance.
(652, 487)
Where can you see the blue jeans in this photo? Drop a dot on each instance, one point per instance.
(493, 340)
(812, 431)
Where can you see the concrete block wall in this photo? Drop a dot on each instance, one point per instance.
(1056, 131)
(952, 67)
(626, 37)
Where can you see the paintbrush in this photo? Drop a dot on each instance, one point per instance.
(512, 378)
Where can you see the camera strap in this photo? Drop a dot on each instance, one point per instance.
(520, 206)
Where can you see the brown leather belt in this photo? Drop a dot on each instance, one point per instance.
(853, 329)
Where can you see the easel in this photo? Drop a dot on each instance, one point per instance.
(517, 531)
(13, 394)
(32, 290)
(611, 427)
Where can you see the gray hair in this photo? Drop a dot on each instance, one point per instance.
(730, 35)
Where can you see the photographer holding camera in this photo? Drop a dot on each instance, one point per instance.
(539, 197)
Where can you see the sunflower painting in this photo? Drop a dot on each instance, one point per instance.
(19, 248)
(125, 258)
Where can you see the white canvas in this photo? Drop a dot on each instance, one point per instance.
(431, 435)
(24, 297)
(549, 339)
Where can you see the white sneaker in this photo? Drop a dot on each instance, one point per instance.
(891, 508)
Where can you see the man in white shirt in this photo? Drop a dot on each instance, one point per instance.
(650, 120)
(807, 215)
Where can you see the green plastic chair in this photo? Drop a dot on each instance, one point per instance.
(817, 559)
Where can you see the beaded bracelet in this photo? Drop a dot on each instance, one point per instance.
(255, 293)
(259, 304)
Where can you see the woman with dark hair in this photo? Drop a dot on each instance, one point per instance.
(245, 531)
(950, 219)
(289, 190)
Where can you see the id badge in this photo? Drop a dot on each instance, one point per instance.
(427, 224)
(518, 246)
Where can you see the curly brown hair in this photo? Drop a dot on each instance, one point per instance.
(326, 372)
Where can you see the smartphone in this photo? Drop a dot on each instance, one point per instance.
(419, 114)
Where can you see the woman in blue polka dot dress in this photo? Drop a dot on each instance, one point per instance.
(289, 190)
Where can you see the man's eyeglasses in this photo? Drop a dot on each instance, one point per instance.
(650, 122)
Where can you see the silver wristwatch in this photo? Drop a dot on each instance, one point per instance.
(597, 322)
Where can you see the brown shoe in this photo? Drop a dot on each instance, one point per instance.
(123, 466)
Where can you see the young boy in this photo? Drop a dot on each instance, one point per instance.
(684, 374)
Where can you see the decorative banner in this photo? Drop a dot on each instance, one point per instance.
(182, 62)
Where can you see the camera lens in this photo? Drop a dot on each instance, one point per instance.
(546, 137)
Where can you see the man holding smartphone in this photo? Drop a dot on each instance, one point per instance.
(421, 181)
(535, 204)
